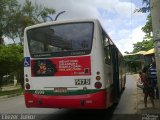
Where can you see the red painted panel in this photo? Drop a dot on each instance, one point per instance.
(87, 101)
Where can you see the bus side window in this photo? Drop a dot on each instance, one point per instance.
(106, 49)
(107, 55)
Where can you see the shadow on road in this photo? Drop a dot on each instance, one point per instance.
(82, 114)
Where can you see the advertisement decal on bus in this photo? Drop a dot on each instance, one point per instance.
(71, 66)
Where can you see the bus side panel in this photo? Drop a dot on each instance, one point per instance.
(88, 101)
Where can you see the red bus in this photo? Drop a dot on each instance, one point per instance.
(71, 64)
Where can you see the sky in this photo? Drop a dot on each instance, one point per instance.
(117, 17)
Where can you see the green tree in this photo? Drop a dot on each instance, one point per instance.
(143, 46)
(16, 17)
(11, 59)
(146, 7)
(6, 6)
(147, 42)
(147, 28)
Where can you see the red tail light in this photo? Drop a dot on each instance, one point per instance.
(98, 85)
(28, 86)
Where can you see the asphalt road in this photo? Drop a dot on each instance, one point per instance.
(126, 109)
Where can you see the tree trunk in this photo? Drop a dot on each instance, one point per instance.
(155, 7)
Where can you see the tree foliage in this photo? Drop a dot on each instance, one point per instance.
(142, 46)
(147, 42)
(15, 17)
(147, 28)
(6, 7)
(146, 7)
(11, 59)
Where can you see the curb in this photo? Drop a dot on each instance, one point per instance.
(9, 96)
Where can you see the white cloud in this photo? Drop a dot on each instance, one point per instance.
(87, 8)
(116, 16)
(125, 9)
(126, 43)
(137, 34)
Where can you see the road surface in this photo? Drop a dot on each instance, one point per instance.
(127, 106)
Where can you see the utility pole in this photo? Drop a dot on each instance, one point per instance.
(155, 8)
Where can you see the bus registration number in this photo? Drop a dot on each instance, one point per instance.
(82, 81)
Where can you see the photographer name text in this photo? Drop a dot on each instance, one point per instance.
(18, 117)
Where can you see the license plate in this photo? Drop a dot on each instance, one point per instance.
(82, 81)
(60, 90)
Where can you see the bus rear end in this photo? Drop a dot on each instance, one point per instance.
(58, 66)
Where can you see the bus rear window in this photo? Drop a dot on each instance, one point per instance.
(61, 40)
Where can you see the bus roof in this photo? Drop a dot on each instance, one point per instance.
(69, 21)
(61, 22)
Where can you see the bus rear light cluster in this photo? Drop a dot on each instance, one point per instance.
(28, 86)
(98, 72)
(27, 80)
(26, 75)
(98, 77)
(98, 85)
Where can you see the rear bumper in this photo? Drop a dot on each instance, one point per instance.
(96, 100)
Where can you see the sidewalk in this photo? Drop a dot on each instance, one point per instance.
(10, 89)
(140, 103)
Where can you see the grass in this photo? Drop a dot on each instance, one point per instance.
(11, 92)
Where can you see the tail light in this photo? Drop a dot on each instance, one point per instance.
(28, 86)
(27, 80)
(98, 85)
(26, 75)
(98, 77)
(98, 72)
